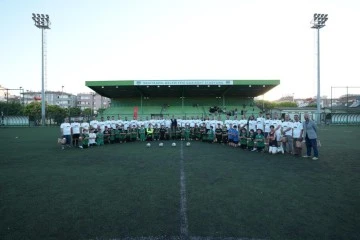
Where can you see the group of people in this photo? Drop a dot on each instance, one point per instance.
(254, 133)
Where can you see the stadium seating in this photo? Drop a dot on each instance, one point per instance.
(187, 107)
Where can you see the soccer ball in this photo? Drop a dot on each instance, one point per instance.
(161, 144)
(188, 144)
(173, 144)
(80, 138)
(63, 141)
(148, 145)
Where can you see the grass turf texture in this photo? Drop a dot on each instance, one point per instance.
(128, 190)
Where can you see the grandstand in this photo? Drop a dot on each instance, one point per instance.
(183, 98)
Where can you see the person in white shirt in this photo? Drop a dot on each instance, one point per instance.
(84, 125)
(267, 124)
(287, 132)
(65, 129)
(101, 125)
(75, 129)
(297, 135)
(277, 128)
(108, 122)
(113, 122)
(92, 138)
(243, 122)
(94, 123)
(260, 122)
(252, 123)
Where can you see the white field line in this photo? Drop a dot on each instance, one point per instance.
(184, 227)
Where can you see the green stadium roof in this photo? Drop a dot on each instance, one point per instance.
(179, 88)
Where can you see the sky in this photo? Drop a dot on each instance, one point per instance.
(182, 39)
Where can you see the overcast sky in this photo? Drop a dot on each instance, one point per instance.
(183, 39)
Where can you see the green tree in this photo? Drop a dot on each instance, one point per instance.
(265, 104)
(286, 104)
(33, 110)
(86, 112)
(74, 111)
(100, 111)
(12, 108)
(56, 113)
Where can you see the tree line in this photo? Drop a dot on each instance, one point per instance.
(54, 113)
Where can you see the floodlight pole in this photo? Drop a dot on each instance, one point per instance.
(317, 23)
(43, 22)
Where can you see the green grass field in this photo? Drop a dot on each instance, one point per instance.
(130, 191)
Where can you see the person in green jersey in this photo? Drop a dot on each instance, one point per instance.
(197, 132)
(260, 140)
(187, 132)
(142, 133)
(85, 139)
(117, 134)
(133, 134)
(156, 133)
(218, 133)
(99, 138)
(112, 135)
(243, 139)
(203, 132)
(210, 135)
(250, 140)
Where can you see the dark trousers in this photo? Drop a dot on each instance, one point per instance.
(311, 144)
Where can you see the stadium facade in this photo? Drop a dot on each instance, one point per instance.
(185, 98)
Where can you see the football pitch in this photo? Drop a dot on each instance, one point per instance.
(205, 191)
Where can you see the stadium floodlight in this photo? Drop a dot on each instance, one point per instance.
(318, 22)
(43, 25)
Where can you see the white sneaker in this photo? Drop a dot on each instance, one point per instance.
(81, 147)
(253, 150)
(306, 156)
(315, 158)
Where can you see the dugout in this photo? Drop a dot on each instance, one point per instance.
(185, 98)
